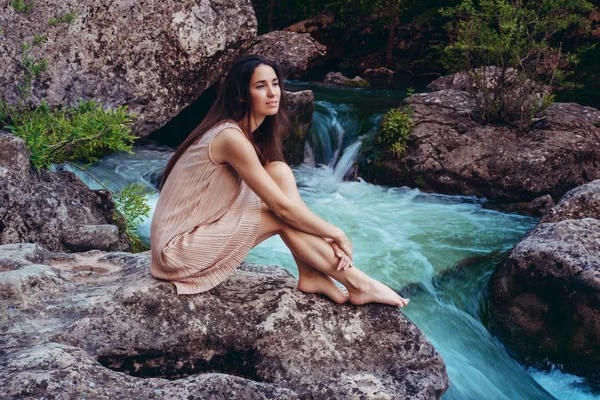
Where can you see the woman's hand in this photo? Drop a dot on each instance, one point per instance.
(345, 261)
(343, 243)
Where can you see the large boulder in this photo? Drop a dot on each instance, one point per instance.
(156, 57)
(301, 106)
(97, 325)
(546, 294)
(448, 152)
(293, 52)
(56, 210)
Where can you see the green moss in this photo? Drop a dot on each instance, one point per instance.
(293, 145)
(22, 6)
(66, 18)
(357, 84)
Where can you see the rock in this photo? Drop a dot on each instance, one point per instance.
(293, 52)
(56, 210)
(301, 106)
(380, 72)
(97, 324)
(448, 152)
(535, 208)
(337, 79)
(581, 202)
(546, 294)
(155, 57)
(87, 237)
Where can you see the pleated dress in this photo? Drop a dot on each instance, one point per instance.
(205, 222)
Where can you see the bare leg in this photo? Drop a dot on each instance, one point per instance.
(315, 252)
(310, 280)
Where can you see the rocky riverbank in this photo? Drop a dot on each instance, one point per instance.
(98, 325)
(546, 294)
(449, 152)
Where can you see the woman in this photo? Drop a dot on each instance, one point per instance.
(226, 189)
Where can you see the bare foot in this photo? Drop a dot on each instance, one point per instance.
(376, 292)
(323, 284)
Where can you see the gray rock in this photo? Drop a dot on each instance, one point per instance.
(448, 152)
(98, 325)
(337, 79)
(293, 52)
(581, 202)
(301, 106)
(380, 72)
(50, 208)
(155, 57)
(90, 237)
(546, 294)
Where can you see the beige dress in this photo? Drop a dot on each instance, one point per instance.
(206, 220)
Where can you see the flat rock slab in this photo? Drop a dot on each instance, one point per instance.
(98, 325)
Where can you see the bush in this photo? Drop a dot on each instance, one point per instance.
(395, 129)
(132, 207)
(80, 133)
(512, 52)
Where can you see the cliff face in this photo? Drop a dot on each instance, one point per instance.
(97, 325)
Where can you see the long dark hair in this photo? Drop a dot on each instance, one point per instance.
(268, 137)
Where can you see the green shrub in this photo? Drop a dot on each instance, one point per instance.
(80, 133)
(132, 207)
(395, 129)
(513, 53)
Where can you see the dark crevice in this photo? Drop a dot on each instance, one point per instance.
(232, 361)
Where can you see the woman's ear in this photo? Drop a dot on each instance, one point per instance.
(240, 100)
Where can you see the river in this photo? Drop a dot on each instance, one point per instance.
(440, 250)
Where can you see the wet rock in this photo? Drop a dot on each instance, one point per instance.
(448, 152)
(155, 57)
(97, 324)
(301, 106)
(380, 72)
(52, 209)
(546, 294)
(337, 79)
(293, 52)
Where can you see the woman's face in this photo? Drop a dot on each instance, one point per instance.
(264, 91)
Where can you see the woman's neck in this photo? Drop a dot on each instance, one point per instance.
(254, 122)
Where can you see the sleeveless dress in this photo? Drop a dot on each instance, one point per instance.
(206, 220)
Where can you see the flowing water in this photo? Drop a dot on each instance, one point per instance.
(440, 249)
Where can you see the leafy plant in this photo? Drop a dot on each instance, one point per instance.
(83, 132)
(512, 52)
(395, 129)
(21, 6)
(33, 67)
(66, 18)
(131, 205)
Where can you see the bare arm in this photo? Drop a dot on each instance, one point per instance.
(231, 146)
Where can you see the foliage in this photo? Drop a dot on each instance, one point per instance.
(33, 67)
(83, 132)
(132, 206)
(512, 51)
(66, 18)
(21, 6)
(395, 129)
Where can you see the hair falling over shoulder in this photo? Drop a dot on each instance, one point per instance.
(233, 103)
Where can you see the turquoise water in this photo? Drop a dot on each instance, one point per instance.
(440, 250)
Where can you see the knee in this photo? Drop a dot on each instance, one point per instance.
(280, 172)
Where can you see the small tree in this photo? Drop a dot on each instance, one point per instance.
(512, 52)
